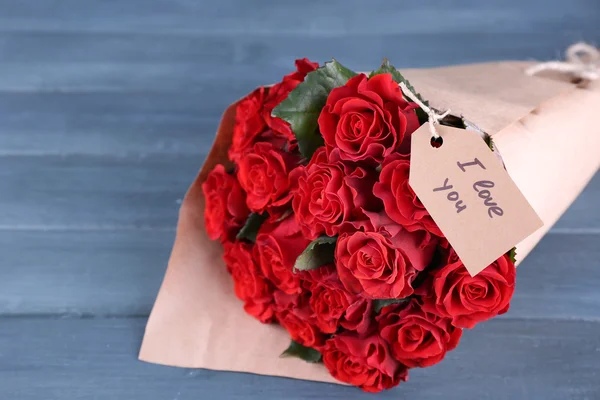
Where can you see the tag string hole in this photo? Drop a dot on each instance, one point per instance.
(437, 142)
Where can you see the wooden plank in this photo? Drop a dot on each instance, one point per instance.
(112, 134)
(96, 358)
(117, 273)
(583, 215)
(112, 124)
(180, 83)
(313, 16)
(82, 273)
(141, 50)
(84, 192)
(559, 279)
(244, 60)
(83, 48)
(170, 103)
(78, 191)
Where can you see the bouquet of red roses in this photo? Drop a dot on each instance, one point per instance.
(323, 234)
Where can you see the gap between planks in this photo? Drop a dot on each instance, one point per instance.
(120, 228)
(84, 316)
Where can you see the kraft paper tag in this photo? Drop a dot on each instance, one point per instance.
(469, 195)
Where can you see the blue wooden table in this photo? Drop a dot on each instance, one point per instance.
(107, 109)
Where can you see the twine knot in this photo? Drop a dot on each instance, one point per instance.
(434, 117)
(581, 61)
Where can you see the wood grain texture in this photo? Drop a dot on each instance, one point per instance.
(94, 358)
(137, 191)
(583, 215)
(82, 273)
(117, 273)
(311, 17)
(98, 192)
(192, 65)
(107, 109)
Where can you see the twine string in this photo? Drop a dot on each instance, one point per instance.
(581, 61)
(434, 117)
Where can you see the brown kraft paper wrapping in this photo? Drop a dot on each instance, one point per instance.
(542, 127)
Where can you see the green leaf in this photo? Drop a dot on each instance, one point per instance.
(251, 227)
(490, 142)
(305, 353)
(454, 121)
(284, 215)
(385, 68)
(304, 104)
(470, 126)
(512, 254)
(319, 252)
(380, 303)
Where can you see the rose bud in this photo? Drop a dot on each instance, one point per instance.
(332, 305)
(264, 174)
(226, 211)
(278, 244)
(300, 330)
(249, 283)
(452, 292)
(295, 315)
(280, 92)
(400, 202)
(367, 119)
(378, 266)
(363, 362)
(330, 196)
(358, 316)
(249, 123)
(417, 338)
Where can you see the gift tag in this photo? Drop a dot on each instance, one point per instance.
(469, 195)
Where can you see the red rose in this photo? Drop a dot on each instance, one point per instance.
(298, 301)
(332, 305)
(300, 330)
(294, 314)
(400, 202)
(280, 92)
(367, 119)
(328, 300)
(226, 209)
(363, 362)
(380, 266)
(249, 284)
(249, 123)
(264, 174)
(278, 244)
(358, 316)
(303, 67)
(417, 338)
(380, 222)
(253, 120)
(330, 196)
(451, 292)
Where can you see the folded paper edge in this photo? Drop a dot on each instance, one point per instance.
(572, 152)
(218, 153)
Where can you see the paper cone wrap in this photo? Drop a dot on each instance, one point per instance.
(546, 130)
